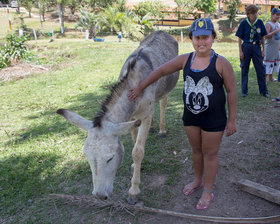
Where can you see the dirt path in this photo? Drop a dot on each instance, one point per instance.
(252, 153)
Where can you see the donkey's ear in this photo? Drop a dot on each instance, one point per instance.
(121, 128)
(75, 119)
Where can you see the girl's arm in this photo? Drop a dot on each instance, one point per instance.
(225, 69)
(170, 67)
(268, 29)
(269, 32)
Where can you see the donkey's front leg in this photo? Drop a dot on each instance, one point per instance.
(137, 156)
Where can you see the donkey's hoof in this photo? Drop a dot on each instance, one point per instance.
(152, 130)
(162, 135)
(132, 200)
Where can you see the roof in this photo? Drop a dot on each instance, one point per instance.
(260, 2)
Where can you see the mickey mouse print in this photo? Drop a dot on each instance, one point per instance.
(197, 94)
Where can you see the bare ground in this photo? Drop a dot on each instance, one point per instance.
(252, 153)
(19, 71)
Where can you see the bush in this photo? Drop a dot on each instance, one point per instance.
(5, 60)
(15, 48)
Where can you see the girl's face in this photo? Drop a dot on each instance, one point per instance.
(253, 16)
(202, 44)
(275, 17)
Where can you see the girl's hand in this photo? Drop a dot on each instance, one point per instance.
(230, 128)
(134, 93)
(241, 55)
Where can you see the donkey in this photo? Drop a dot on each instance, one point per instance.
(102, 147)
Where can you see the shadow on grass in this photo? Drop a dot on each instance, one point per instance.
(27, 177)
(23, 177)
(49, 123)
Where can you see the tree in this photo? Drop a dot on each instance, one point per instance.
(98, 4)
(232, 6)
(61, 8)
(206, 6)
(89, 20)
(120, 5)
(73, 4)
(186, 5)
(146, 23)
(27, 4)
(42, 6)
(112, 19)
(154, 9)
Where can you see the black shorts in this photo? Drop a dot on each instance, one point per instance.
(209, 129)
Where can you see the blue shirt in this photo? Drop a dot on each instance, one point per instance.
(244, 31)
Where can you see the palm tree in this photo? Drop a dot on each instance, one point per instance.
(112, 19)
(146, 23)
(89, 20)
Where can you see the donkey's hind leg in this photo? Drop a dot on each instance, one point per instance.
(162, 128)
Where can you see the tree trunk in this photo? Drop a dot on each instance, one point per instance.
(94, 31)
(42, 27)
(219, 9)
(61, 21)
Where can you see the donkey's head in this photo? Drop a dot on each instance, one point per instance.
(103, 150)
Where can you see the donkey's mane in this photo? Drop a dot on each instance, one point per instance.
(116, 91)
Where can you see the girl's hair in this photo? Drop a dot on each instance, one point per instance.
(213, 33)
(251, 9)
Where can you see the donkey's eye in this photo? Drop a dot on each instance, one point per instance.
(110, 159)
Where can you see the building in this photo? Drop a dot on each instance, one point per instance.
(173, 16)
(265, 6)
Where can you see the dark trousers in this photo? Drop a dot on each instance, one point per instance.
(252, 51)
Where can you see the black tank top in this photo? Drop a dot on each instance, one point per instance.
(204, 97)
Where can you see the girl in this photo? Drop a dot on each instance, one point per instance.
(205, 74)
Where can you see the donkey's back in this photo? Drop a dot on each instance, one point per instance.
(156, 49)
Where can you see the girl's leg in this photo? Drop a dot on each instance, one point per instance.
(269, 77)
(210, 147)
(194, 136)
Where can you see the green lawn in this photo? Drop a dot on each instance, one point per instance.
(51, 23)
(41, 153)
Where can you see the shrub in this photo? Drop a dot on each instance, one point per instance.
(4, 58)
(15, 48)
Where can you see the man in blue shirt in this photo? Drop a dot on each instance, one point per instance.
(251, 32)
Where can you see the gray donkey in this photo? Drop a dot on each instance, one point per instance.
(103, 148)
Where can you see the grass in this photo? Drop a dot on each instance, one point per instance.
(40, 153)
(34, 22)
